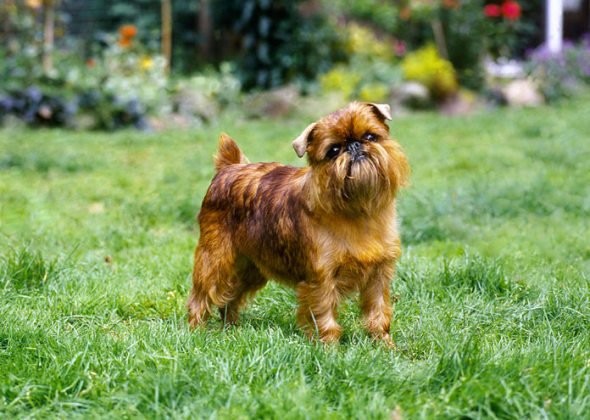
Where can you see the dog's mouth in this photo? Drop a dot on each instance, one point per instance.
(362, 177)
(358, 157)
(355, 160)
(359, 162)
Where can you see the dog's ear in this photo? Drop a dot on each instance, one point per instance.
(382, 109)
(300, 143)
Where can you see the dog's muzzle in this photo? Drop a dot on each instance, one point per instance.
(355, 148)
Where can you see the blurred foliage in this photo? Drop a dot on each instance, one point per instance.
(468, 17)
(361, 79)
(427, 67)
(117, 83)
(120, 86)
(107, 72)
(37, 108)
(279, 44)
(505, 36)
(382, 15)
(128, 71)
(468, 34)
(465, 42)
(116, 88)
(560, 75)
(103, 18)
(371, 70)
(361, 41)
(20, 50)
(222, 87)
(342, 79)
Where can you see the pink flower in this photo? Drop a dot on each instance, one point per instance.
(399, 48)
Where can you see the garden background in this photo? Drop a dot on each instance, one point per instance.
(109, 116)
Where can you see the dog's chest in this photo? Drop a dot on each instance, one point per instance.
(353, 253)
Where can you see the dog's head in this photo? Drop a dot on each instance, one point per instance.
(356, 168)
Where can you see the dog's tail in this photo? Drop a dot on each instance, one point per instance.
(228, 153)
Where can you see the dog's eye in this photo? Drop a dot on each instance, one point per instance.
(370, 137)
(333, 151)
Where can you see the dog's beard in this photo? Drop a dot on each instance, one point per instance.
(356, 185)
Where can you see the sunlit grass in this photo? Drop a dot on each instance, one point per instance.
(96, 238)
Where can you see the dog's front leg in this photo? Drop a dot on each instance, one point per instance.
(318, 302)
(376, 302)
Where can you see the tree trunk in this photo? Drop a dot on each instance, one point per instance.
(48, 35)
(167, 32)
(439, 38)
(204, 26)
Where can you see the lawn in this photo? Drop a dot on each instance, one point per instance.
(97, 232)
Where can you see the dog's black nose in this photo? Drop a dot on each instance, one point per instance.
(353, 146)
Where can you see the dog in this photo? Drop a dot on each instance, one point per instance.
(328, 229)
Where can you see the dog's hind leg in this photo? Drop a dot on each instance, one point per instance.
(198, 308)
(213, 281)
(248, 281)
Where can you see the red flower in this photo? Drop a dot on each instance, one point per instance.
(492, 10)
(128, 31)
(125, 42)
(511, 10)
(126, 35)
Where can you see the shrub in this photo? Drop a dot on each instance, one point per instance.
(279, 44)
(222, 86)
(123, 70)
(341, 78)
(377, 13)
(465, 31)
(20, 49)
(200, 97)
(374, 92)
(361, 41)
(38, 108)
(560, 74)
(505, 28)
(115, 89)
(361, 79)
(371, 71)
(90, 109)
(108, 16)
(427, 67)
(465, 42)
(102, 110)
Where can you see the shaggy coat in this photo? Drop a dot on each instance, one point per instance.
(327, 229)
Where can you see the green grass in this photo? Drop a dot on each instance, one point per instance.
(96, 238)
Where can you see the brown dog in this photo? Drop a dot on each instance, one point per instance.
(327, 229)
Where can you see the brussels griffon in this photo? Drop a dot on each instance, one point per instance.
(327, 229)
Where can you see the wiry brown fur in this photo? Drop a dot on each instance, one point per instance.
(328, 229)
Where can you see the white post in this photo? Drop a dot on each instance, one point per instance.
(554, 29)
